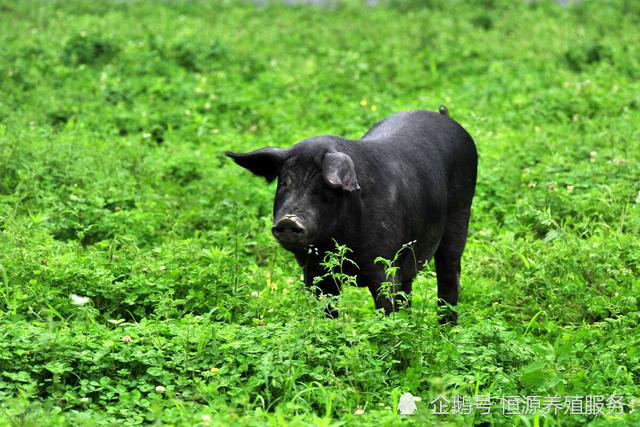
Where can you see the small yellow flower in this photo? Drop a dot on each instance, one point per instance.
(373, 108)
(532, 184)
(126, 339)
(214, 370)
(569, 188)
(363, 103)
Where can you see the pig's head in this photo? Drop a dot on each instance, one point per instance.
(315, 184)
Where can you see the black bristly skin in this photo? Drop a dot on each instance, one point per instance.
(412, 176)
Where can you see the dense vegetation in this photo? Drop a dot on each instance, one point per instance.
(113, 186)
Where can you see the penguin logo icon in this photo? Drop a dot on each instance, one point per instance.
(407, 404)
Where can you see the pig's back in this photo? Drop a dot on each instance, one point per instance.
(423, 139)
(426, 156)
(418, 127)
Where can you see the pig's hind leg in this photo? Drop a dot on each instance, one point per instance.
(447, 260)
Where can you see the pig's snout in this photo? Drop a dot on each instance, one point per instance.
(290, 230)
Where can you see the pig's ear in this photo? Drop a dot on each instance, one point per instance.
(265, 162)
(338, 171)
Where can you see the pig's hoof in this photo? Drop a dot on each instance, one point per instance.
(332, 313)
(448, 317)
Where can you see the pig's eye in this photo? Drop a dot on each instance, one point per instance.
(285, 183)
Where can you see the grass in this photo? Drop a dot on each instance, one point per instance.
(114, 117)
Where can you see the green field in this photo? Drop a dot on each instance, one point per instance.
(114, 117)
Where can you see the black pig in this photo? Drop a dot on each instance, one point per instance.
(410, 179)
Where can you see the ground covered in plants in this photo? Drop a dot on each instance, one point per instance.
(113, 187)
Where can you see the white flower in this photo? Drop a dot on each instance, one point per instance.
(255, 293)
(206, 419)
(411, 243)
(84, 399)
(407, 404)
(359, 411)
(78, 300)
(160, 389)
(126, 339)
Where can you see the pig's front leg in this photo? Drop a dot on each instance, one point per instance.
(326, 287)
(390, 294)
